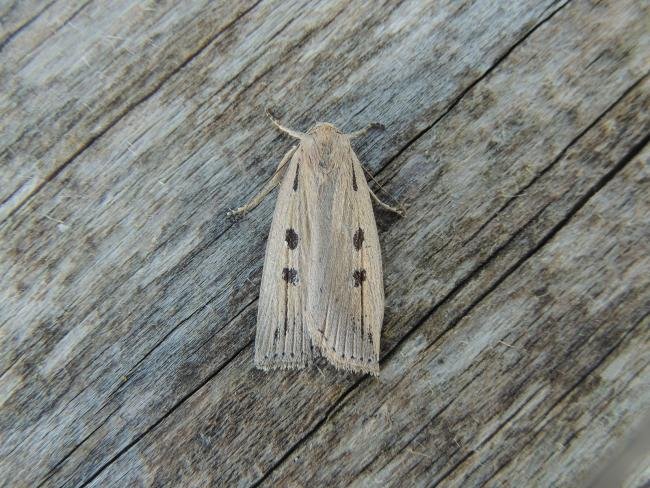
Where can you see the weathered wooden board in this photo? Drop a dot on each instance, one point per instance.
(517, 285)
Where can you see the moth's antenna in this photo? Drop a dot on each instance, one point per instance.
(266, 189)
(365, 130)
(291, 132)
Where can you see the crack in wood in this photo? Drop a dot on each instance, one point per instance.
(558, 158)
(568, 392)
(149, 429)
(330, 411)
(124, 112)
(24, 26)
(469, 88)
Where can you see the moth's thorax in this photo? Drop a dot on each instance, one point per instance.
(327, 145)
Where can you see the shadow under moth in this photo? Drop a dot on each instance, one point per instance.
(322, 290)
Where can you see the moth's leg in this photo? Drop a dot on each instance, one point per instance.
(266, 189)
(385, 206)
(291, 132)
(398, 211)
(365, 130)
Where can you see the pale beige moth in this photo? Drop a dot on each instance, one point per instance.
(322, 287)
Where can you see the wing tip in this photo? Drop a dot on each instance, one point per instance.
(339, 363)
(369, 366)
(351, 365)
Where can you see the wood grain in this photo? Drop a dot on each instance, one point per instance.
(517, 286)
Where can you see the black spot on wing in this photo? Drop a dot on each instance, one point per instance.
(359, 276)
(290, 275)
(358, 239)
(291, 238)
(355, 187)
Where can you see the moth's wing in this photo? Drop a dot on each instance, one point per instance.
(346, 292)
(282, 339)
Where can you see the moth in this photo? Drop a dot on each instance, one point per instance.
(322, 287)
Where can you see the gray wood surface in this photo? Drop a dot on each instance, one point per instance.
(515, 343)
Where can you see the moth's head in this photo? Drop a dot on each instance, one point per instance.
(323, 128)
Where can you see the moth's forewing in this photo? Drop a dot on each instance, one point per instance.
(345, 290)
(282, 339)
